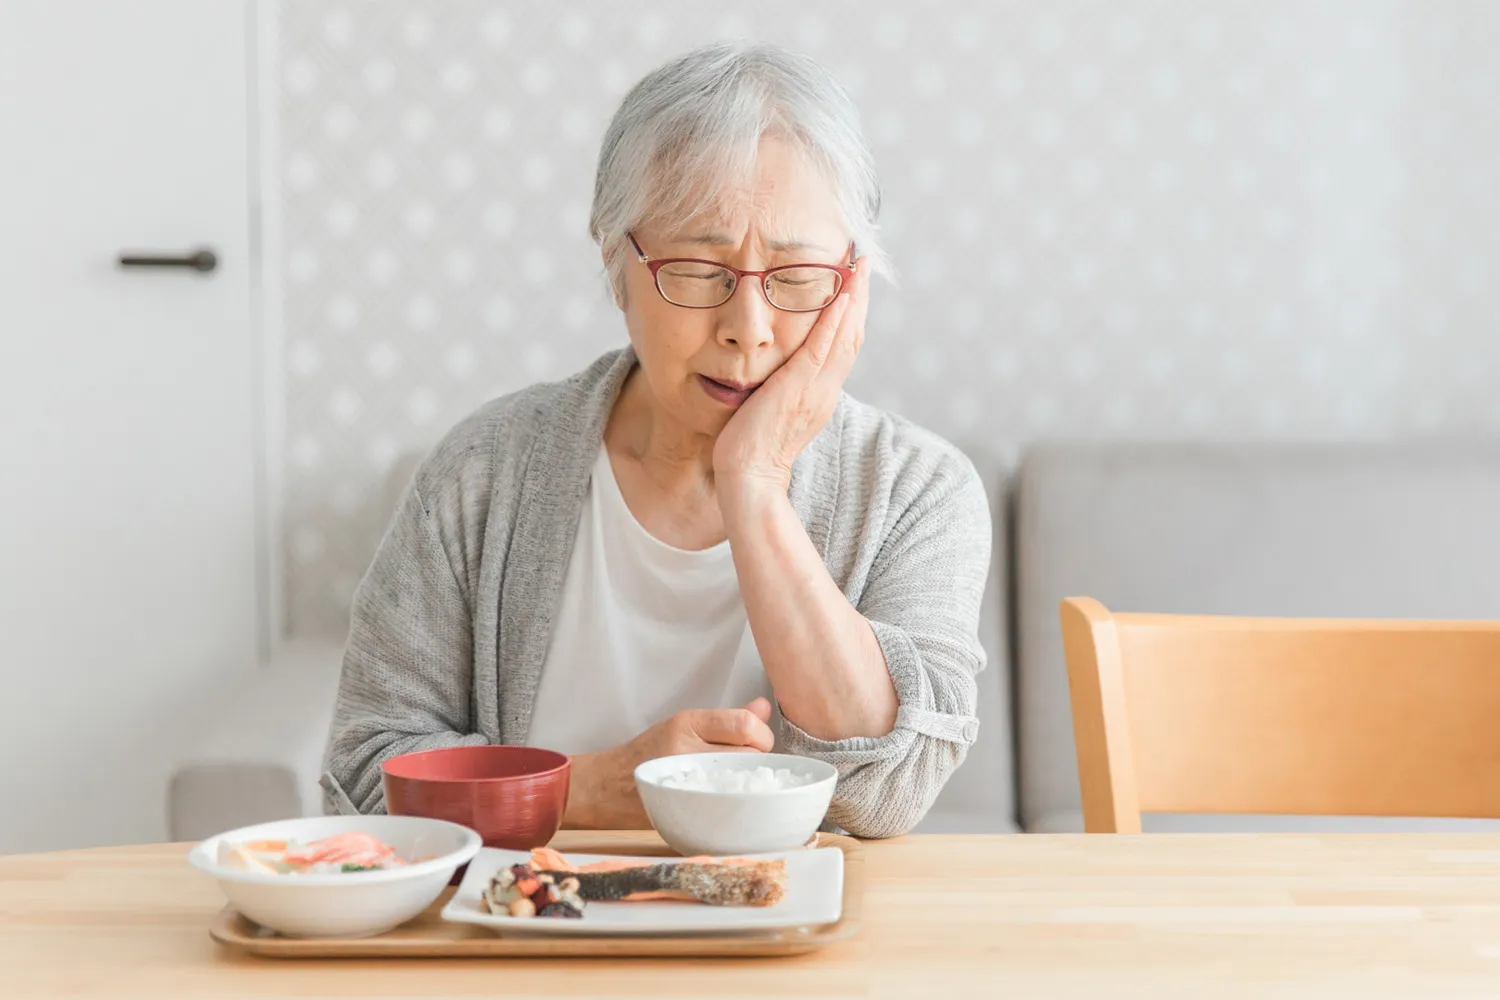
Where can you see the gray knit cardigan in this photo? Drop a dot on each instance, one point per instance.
(452, 622)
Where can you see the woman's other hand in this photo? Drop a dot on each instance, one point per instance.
(769, 431)
(602, 793)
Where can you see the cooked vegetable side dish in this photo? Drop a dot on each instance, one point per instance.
(342, 853)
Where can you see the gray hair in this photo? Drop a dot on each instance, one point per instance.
(690, 130)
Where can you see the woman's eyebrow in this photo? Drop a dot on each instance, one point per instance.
(711, 239)
(793, 243)
(778, 244)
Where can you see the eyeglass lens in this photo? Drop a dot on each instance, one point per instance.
(704, 286)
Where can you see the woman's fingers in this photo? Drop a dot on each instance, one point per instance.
(838, 346)
(835, 338)
(760, 708)
(825, 331)
(860, 307)
(733, 727)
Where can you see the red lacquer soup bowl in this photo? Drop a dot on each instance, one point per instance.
(513, 796)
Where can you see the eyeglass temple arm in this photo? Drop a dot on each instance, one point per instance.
(640, 254)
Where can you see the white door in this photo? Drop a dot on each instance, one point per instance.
(128, 586)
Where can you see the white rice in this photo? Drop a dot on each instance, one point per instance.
(761, 779)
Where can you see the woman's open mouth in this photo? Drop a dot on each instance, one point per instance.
(731, 394)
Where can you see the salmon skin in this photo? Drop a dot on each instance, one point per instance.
(730, 882)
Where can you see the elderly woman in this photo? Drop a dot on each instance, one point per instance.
(698, 543)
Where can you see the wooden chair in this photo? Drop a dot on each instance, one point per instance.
(1202, 714)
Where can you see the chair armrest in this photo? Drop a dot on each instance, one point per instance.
(260, 752)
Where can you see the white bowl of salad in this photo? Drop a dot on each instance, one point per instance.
(336, 876)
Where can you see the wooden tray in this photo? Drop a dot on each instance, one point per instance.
(430, 936)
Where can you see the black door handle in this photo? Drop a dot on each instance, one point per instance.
(202, 259)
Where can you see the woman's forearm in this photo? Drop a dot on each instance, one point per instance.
(820, 654)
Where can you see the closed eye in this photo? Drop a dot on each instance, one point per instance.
(690, 271)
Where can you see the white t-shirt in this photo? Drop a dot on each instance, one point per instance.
(643, 630)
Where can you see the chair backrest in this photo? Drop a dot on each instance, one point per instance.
(1398, 530)
(1208, 714)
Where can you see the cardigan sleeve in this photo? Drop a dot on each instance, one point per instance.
(407, 677)
(922, 601)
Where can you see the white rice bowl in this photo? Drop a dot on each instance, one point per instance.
(728, 804)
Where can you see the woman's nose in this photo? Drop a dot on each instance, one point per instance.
(745, 320)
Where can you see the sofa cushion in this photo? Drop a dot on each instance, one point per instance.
(1392, 531)
(260, 751)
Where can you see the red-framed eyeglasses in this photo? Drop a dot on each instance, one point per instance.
(707, 284)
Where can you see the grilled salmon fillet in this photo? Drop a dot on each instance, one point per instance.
(712, 881)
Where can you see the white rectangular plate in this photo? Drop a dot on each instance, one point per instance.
(814, 896)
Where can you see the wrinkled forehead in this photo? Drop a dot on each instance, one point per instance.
(777, 232)
(780, 193)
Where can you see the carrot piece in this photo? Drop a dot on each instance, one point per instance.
(546, 859)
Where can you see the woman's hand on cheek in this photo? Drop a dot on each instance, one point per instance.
(762, 440)
(601, 789)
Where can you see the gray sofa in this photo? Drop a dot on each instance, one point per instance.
(1410, 530)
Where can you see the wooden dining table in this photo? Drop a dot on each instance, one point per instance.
(1203, 915)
